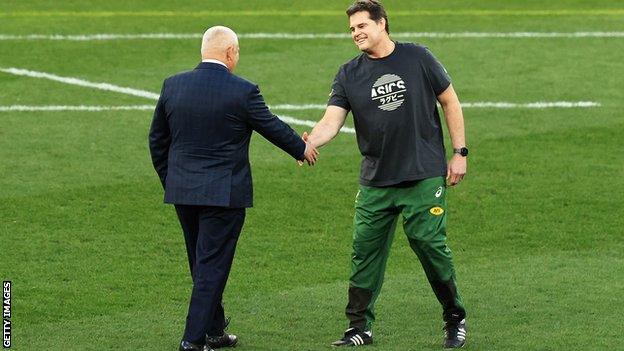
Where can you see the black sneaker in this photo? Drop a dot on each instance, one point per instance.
(355, 337)
(455, 334)
(225, 340)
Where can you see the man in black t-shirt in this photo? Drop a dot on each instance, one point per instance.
(392, 89)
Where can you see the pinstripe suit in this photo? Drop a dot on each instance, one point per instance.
(199, 143)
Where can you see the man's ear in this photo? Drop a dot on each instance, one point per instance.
(230, 53)
(382, 23)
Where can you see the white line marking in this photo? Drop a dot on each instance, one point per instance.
(91, 37)
(23, 108)
(299, 107)
(81, 82)
(302, 36)
(514, 35)
(536, 105)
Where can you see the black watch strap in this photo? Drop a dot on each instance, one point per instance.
(462, 151)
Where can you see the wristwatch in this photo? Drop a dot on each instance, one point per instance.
(462, 151)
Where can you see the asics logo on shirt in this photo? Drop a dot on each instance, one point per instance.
(389, 92)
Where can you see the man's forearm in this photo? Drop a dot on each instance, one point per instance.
(322, 133)
(455, 123)
(328, 127)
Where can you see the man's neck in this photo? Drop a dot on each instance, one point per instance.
(385, 48)
(214, 60)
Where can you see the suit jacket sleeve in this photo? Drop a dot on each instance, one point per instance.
(271, 127)
(160, 138)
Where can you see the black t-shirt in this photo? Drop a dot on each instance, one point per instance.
(393, 100)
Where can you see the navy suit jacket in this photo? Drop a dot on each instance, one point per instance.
(199, 137)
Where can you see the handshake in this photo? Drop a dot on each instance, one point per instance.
(311, 153)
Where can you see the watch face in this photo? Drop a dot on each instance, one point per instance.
(462, 151)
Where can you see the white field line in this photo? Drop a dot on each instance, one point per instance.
(536, 105)
(290, 107)
(303, 36)
(80, 82)
(58, 108)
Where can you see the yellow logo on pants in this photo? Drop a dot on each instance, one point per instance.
(436, 211)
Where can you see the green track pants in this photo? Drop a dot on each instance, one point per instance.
(423, 208)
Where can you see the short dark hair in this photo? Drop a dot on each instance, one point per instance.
(374, 8)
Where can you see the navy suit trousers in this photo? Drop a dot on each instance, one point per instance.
(211, 234)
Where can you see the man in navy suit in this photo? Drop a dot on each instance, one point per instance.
(199, 143)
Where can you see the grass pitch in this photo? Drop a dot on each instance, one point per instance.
(98, 262)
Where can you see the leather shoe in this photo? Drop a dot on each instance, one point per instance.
(187, 346)
(225, 340)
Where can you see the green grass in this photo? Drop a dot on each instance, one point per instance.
(98, 262)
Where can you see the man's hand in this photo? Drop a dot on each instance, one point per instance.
(456, 169)
(311, 153)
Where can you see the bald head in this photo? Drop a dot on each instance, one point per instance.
(220, 43)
